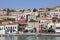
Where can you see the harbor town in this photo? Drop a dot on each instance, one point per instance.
(29, 19)
(42, 20)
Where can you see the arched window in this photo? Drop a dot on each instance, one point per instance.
(15, 27)
(6, 27)
(11, 27)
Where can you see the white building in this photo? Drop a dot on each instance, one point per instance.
(57, 25)
(2, 29)
(32, 25)
(11, 28)
(34, 13)
(55, 11)
(2, 12)
(32, 17)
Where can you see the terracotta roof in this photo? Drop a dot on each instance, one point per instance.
(33, 22)
(2, 24)
(22, 21)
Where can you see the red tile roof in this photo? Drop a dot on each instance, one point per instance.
(22, 21)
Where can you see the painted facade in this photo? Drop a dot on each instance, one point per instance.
(2, 29)
(11, 28)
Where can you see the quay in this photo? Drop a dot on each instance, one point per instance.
(32, 34)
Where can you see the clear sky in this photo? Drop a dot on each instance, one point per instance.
(26, 4)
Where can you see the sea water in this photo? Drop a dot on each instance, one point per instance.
(27, 37)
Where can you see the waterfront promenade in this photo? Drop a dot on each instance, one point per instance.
(32, 34)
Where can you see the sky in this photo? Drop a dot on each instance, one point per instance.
(28, 4)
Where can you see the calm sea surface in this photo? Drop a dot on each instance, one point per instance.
(21, 37)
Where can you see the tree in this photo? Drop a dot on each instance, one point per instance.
(29, 9)
(4, 9)
(58, 20)
(32, 20)
(7, 11)
(34, 10)
(10, 19)
(49, 9)
(12, 10)
(51, 30)
(22, 10)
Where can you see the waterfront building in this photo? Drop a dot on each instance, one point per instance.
(11, 28)
(51, 24)
(22, 24)
(57, 27)
(42, 16)
(31, 25)
(2, 28)
(45, 21)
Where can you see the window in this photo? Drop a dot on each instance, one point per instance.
(11, 27)
(32, 26)
(6, 27)
(39, 21)
(1, 28)
(42, 16)
(15, 27)
(24, 15)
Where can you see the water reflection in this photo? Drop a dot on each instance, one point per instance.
(10, 37)
(47, 38)
(21, 37)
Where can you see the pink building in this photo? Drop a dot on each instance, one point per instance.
(22, 21)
